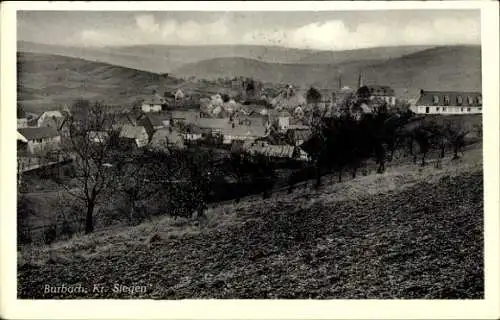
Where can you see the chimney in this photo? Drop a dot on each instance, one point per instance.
(421, 91)
(340, 81)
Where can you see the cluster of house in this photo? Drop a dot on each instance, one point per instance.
(39, 133)
(171, 129)
(248, 123)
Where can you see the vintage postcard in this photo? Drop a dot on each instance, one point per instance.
(250, 160)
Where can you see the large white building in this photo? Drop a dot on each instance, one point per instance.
(448, 102)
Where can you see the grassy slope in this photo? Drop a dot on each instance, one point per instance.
(380, 236)
(49, 81)
(440, 68)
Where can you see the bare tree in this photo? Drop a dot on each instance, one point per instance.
(89, 144)
(455, 133)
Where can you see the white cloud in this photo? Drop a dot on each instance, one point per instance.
(328, 35)
(335, 35)
(147, 23)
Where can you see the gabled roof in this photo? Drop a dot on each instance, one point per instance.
(132, 132)
(247, 131)
(54, 113)
(38, 133)
(276, 151)
(429, 98)
(187, 115)
(20, 137)
(161, 137)
(377, 90)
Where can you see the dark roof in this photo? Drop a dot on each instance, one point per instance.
(214, 123)
(187, 115)
(155, 100)
(377, 90)
(132, 132)
(157, 119)
(38, 133)
(454, 98)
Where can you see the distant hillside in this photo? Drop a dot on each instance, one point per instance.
(379, 53)
(46, 81)
(165, 58)
(49, 81)
(441, 68)
(446, 68)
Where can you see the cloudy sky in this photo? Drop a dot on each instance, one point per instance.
(328, 30)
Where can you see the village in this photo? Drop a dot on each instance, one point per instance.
(252, 154)
(274, 127)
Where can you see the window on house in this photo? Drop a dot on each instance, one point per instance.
(460, 100)
(437, 108)
(446, 100)
(151, 105)
(479, 108)
(468, 109)
(469, 100)
(479, 100)
(461, 109)
(435, 99)
(444, 109)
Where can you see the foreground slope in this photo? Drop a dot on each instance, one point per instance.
(382, 236)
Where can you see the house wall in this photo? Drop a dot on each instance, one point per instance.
(228, 138)
(391, 100)
(22, 123)
(45, 144)
(151, 107)
(192, 136)
(283, 123)
(446, 110)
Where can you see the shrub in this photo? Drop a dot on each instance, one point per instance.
(50, 234)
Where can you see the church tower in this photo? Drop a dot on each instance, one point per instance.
(360, 80)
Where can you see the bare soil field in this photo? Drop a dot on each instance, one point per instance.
(406, 234)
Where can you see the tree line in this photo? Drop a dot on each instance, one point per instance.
(183, 182)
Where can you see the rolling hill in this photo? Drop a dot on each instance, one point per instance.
(439, 68)
(46, 81)
(165, 58)
(49, 81)
(379, 53)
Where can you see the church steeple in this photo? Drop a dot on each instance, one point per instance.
(360, 80)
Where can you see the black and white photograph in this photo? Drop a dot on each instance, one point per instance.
(250, 154)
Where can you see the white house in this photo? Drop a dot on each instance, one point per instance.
(448, 102)
(153, 105)
(37, 140)
(179, 95)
